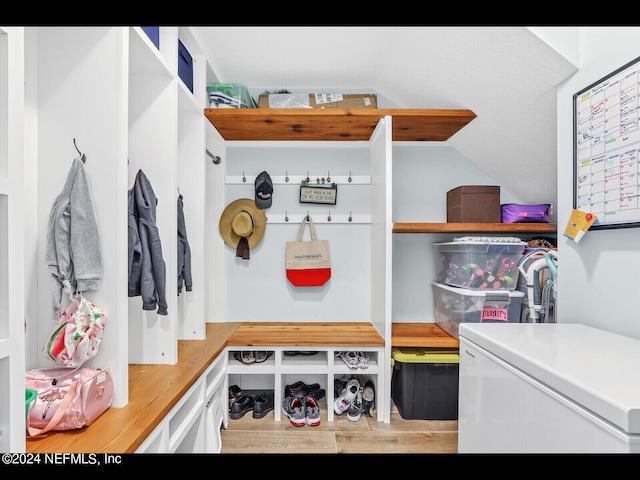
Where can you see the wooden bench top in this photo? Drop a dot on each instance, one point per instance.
(306, 334)
(421, 335)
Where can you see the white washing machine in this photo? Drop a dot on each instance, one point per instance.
(547, 388)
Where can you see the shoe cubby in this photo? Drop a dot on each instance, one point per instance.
(288, 365)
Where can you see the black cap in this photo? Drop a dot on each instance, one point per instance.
(264, 190)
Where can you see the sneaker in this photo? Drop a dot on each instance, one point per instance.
(293, 408)
(351, 359)
(354, 411)
(347, 396)
(311, 411)
(363, 359)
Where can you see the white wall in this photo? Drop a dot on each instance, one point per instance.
(597, 277)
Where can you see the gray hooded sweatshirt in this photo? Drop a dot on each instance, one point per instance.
(74, 252)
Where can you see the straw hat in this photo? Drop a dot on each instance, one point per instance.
(242, 218)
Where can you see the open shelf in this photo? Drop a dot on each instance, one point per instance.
(333, 124)
(415, 227)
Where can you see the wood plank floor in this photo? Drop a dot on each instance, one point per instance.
(248, 435)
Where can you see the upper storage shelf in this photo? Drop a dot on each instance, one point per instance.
(414, 227)
(334, 124)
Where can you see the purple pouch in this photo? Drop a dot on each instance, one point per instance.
(516, 213)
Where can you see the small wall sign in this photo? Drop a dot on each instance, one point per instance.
(325, 195)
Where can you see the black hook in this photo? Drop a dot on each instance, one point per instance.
(82, 155)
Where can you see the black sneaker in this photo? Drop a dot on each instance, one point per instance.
(298, 389)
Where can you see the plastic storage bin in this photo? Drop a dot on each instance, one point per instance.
(424, 383)
(229, 95)
(454, 305)
(479, 265)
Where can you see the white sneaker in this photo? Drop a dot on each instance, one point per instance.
(347, 396)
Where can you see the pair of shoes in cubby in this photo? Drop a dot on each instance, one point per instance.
(240, 402)
(252, 356)
(301, 389)
(354, 399)
(354, 360)
(302, 411)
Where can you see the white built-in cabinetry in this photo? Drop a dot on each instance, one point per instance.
(12, 319)
(116, 97)
(193, 425)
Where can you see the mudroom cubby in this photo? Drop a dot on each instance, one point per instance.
(316, 144)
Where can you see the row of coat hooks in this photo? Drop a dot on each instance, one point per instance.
(318, 218)
(309, 179)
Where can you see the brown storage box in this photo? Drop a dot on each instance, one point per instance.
(328, 100)
(474, 204)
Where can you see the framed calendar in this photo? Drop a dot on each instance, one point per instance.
(606, 146)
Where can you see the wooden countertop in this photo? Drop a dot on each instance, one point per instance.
(421, 335)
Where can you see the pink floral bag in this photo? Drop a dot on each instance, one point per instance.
(77, 335)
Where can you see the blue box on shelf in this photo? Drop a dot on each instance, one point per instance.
(185, 66)
(154, 35)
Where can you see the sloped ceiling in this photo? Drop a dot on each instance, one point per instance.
(506, 75)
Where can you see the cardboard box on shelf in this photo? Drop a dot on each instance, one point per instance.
(474, 203)
(318, 100)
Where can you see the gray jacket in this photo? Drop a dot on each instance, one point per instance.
(184, 252)
(74, 252)
(147, 270)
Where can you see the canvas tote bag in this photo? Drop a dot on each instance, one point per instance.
(308, 263)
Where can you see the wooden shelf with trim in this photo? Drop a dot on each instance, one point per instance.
(511, 228)
(335, 124)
